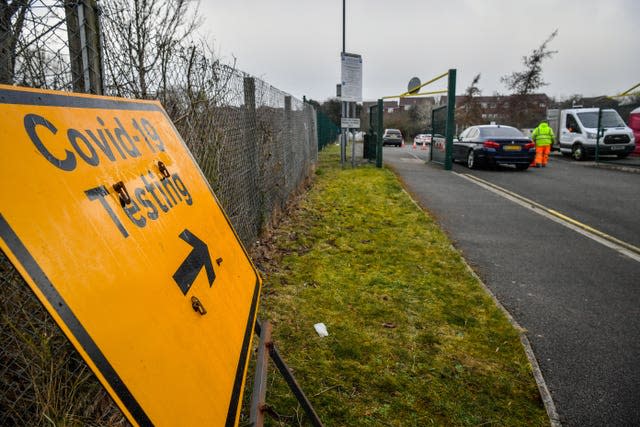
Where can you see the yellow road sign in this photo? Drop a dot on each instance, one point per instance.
(108, 218)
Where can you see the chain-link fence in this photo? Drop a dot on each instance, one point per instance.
(255, 144)
(34, 45)
(43, 381)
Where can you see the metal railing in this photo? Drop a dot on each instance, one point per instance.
(328, 131)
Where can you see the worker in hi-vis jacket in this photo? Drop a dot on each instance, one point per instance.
(543, 137)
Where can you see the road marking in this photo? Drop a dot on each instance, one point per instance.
(607, 240)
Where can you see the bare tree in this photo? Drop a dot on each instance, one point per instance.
(142, 37)
(470, 110)
(331, 107)
(34, 45)
(12, 16)
(523, 110)
(419, 119)
(530, 79)
(473, 89)
(207, 78)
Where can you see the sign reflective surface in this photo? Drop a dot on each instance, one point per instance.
(108, 218)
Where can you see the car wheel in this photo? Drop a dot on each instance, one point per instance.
(471, 160)
(522, 167)
(578, 152)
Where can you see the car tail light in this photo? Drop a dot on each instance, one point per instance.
(491, 144)
(529, 146)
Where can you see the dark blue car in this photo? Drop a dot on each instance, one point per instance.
(492, 145)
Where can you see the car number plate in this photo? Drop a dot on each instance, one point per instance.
(511, 147)
(617, 147)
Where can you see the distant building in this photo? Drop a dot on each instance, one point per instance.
(403, 104)
(515, 110)
(388, 106)
(411, 102)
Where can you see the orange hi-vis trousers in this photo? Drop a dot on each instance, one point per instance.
(542, 154)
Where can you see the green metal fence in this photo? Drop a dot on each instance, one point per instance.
(328, 131)
(438, 152)
(373, 140)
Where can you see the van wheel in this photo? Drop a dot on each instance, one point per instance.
(471, 160)
(578, 153)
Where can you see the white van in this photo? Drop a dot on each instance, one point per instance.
(576, 133)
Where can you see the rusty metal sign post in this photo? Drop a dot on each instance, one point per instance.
(259, 406)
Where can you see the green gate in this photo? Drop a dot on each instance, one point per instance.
(438, 152)
(443, 125)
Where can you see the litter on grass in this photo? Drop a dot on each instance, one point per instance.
(321, 329)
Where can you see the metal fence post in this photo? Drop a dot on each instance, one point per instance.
(85, 49)
(365, 146)
(451, 108)
(371, 141)
(353, 136)
(287, 145)
(250, 135)
(379, 135)
(433, 132)
(343, 138)
(598, 131)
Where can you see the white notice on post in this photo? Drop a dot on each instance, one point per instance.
(351, 77)
(350, 123)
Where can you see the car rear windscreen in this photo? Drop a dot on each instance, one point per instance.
(501, 132)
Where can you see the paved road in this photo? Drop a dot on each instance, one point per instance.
(578, 299)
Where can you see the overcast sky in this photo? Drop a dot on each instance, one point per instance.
(295, 45)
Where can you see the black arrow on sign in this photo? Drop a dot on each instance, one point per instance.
(199, 257)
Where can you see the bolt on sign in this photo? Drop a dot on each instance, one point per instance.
(110, 221)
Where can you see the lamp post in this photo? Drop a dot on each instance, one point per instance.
(343, 26)
(343, 104)
(351, 92)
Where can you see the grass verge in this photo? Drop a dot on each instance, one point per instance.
(413, 340)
